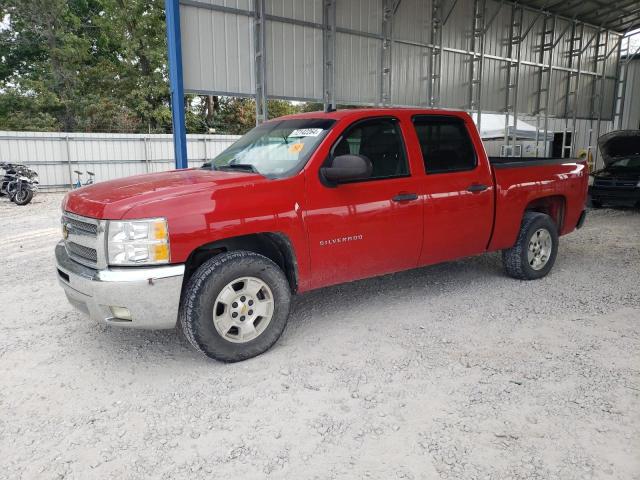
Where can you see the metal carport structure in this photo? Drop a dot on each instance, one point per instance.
(552, 63)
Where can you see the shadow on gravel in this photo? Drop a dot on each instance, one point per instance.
(419, 283)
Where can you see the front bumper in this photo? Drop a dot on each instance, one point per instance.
(152, 294)
(618, 196)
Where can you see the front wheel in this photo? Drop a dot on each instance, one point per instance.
(235, 306)
(23, 196)
(535, 250)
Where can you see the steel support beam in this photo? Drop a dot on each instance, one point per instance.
(543, 94)
(389, 8)
(476, 62)
(328, 53)
(260, 60)
(435, 63)
(176, 85)
(512, 79)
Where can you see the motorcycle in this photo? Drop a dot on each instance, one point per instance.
(19, 183)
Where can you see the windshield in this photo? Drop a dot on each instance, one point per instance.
(275, 149)
(630, 163)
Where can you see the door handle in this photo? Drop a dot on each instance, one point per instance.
(476, 188)
(405, 197)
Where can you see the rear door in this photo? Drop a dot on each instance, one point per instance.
(458, 190)
(367, 227)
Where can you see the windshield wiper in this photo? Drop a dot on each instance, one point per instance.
(245, 167)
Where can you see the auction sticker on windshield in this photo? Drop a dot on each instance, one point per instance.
(306, 132)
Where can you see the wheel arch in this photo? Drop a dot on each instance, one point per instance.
(553, 205)
(276, 246)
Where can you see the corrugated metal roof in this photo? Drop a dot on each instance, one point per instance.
(618, 15)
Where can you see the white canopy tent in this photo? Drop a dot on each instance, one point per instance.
(492, 127)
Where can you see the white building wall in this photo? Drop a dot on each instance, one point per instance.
(56, 155)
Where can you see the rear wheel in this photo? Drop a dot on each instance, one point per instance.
(535, 250)
(235, 306)
(596, 203)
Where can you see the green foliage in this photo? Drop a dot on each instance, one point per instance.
(100, 66)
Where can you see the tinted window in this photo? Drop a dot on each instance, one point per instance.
(445, 144)
(380, 140)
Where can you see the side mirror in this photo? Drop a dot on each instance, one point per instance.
(345, 168)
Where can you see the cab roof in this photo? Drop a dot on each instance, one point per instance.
(357, 113)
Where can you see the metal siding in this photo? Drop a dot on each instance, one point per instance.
(357, 69)
(454, 83)
(530, 45)
(492, 85)
(294, 61)
(241, 4)
(409, 67)
(305, 10)
(607, 104)
(217, 51)
(557, 94)
(631, 118)
(109, 156)
(561, 52)
(612, 61)
(412, 21)
(294, 55)
(497, 33)
(457, 30)
(360, 15)
(527, 89)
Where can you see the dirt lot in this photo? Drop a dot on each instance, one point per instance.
(452, 371)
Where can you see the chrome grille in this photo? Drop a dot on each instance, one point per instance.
(81, 251)
(84, 239)
(76, 224)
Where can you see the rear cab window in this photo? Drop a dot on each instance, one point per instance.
(445, 144)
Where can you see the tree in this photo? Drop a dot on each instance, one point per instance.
(88, 65)
(100, 65)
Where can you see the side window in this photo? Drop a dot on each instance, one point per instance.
(380, 140)
(445, 144)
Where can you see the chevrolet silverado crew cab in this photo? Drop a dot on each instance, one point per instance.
(299, 203)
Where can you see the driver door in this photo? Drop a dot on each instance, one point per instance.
(366, 227)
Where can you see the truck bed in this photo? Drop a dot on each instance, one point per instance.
(520, 181)
(515, 162)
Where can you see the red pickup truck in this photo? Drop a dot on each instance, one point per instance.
(299, 203)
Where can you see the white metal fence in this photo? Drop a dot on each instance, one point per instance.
(55, 156)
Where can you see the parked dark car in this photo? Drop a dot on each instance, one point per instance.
(618, 183)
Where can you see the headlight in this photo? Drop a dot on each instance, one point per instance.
(590, 180)
(138, 242)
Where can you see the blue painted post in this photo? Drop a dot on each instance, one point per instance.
(172, 11)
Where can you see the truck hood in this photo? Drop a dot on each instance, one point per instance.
(113, 199)
(619, 144)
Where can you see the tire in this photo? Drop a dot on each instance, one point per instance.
(596, 203)
(212, 286)
(23, 197)
(516, 260)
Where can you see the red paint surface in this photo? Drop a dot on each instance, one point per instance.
(376, 235)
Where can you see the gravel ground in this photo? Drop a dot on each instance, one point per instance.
(452, 371)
